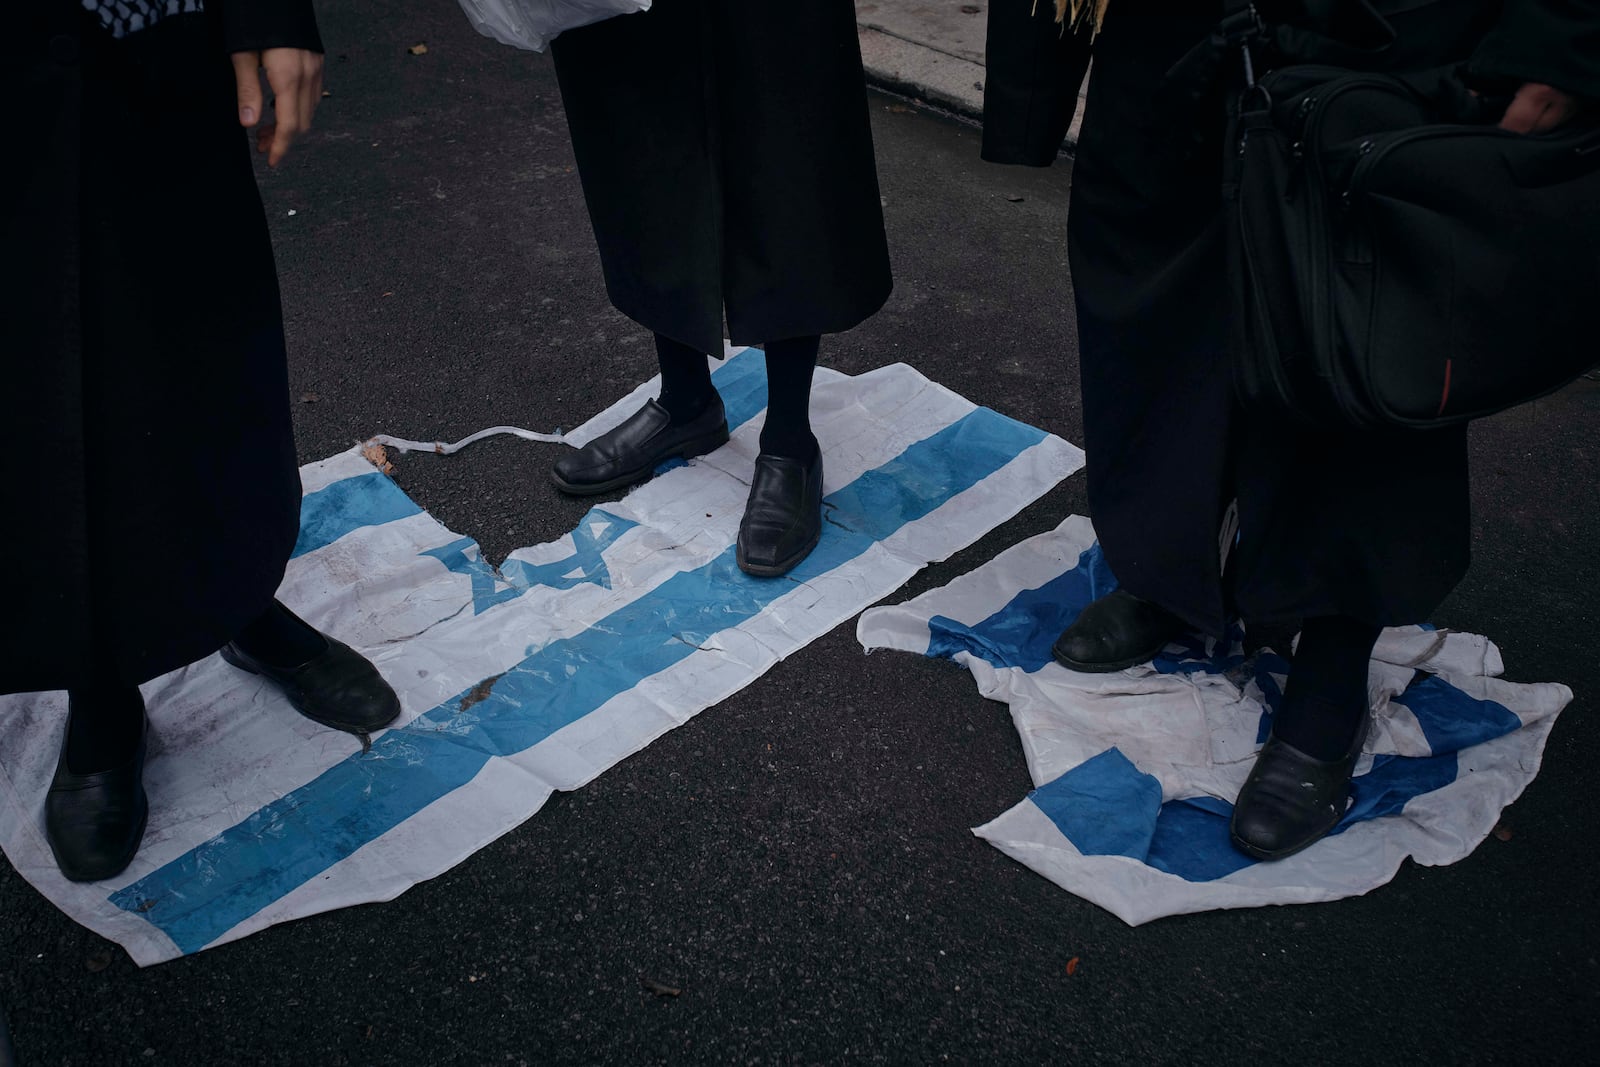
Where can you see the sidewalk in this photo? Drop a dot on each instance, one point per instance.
(929, 49)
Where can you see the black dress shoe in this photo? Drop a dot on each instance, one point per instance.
(1115, 632)
(631, 452)
(1291, 799)
(94, 822)
(783, 517)
(338, 687)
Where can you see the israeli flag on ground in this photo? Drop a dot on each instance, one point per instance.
(1136, 771)
(514, 681)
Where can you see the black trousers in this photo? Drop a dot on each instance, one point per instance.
(1370, 526)
(727, 163)
(155, 500)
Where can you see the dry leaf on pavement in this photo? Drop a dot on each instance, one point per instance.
(378, 456)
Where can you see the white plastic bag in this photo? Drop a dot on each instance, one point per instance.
(531, 24)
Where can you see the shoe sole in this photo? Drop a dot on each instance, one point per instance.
(351, 727)
(776, 570)
(698, 446)
(1284, 853)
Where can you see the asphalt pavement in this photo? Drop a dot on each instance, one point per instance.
(797, 862)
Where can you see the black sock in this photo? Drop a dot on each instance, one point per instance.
(1326, 696)
(104, 727)
(281, 638)
(788, 428)
(686, 386)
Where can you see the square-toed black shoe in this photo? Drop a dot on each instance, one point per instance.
(783, 517)
(95, 822)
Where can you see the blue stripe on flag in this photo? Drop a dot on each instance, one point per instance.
(1451, 720)
(1394, 781)
(202, 894)
(1189, 838)
(742, 382)
(1021, 633)
(349, 504)
(1105, 805)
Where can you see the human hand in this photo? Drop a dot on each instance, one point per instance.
(295, 77)
(1537, 108)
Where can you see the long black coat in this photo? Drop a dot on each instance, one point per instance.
(1370, 526)
(151, 489)
(726, 158)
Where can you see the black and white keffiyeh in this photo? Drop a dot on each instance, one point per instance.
(122, 17)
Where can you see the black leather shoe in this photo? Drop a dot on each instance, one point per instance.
(94, 822)
(783, 517)
(631, 452)
(338, 687)
(1115, 632)
(1292, 800)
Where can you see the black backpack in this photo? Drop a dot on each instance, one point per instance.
(1398, 262)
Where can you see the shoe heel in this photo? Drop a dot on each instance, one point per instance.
(707, 443)
(234, 660)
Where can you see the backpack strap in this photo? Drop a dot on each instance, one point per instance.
(1256, 36)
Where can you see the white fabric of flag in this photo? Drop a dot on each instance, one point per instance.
(516, 680)
(1136, 771)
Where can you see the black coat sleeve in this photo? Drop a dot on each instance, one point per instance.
(1556, 42)
(252, 25)
(1033, 70)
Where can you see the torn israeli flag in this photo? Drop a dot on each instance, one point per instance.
(514, 681)
(1136, 771)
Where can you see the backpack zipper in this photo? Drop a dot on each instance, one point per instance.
(1324, 336)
